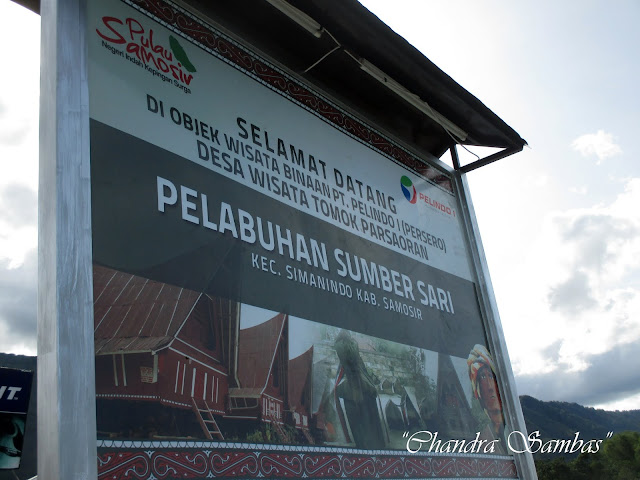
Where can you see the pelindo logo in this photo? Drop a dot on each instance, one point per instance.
(408, 189)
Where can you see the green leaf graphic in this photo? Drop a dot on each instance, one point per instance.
(180, 54)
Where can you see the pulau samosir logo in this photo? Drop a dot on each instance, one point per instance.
(408, 189)
(143, 48)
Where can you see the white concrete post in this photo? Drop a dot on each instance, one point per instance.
(66, 373)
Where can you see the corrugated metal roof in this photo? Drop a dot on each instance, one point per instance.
(256, 351)
(135, 314)
(362, 35)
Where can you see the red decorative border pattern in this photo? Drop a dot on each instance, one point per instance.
(286, 86)
(169, 464)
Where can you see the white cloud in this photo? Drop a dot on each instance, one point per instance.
(609, 379)
(18, 205)
(579, 190)
(600, 144)
(19, 96)
(581, 303)
(18, 223)
(13, 129)
(572, 295)
(19, 101)
(629, 403)
(18, 305)
(540, 180)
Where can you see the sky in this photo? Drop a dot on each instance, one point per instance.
(559, 221)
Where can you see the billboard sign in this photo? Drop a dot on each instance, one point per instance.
(279, 289)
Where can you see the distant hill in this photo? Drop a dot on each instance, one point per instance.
(561, 420)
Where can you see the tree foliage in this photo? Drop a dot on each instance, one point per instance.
(619, 459)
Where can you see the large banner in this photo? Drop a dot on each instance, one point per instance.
(269, 271)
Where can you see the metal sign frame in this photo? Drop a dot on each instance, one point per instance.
(493, 326)
(66, 373)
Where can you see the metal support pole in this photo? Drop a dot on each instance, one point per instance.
(495, 335)
(487, 160)
(66, 372)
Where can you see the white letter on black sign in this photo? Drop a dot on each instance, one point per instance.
(163, 200)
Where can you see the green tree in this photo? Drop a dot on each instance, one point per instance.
(622, 453)
(618, 459)
(555, 469)
(589, 466)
